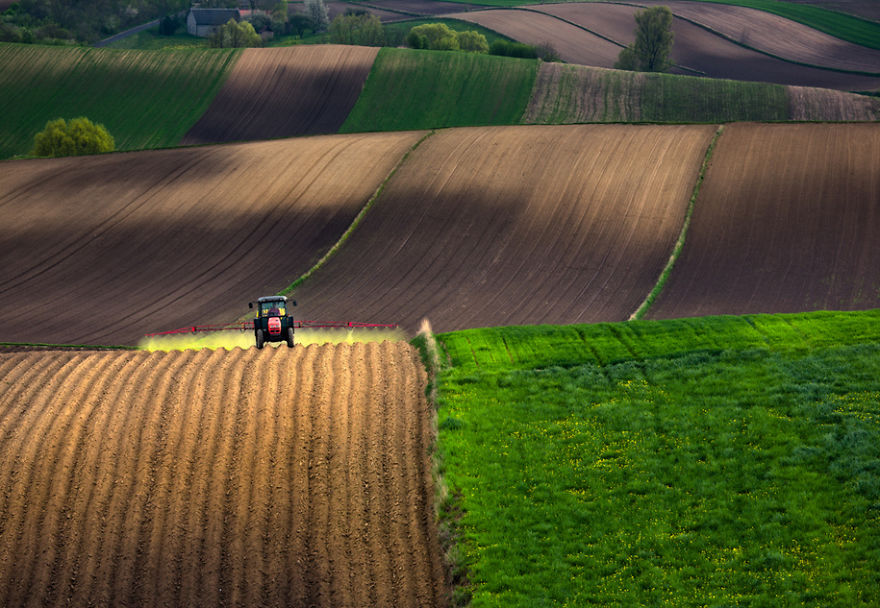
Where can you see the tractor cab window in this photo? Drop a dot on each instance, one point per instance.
(271, 309)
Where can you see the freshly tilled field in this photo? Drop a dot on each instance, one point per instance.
(217, 478)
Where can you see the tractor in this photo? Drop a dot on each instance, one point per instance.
(272, 322)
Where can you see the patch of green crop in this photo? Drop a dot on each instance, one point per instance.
(726, 461)
(409, 89)
(146, 99)
(671, 98)
(844, 26)
(150, 39)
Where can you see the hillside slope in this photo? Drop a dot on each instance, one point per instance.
(788, 220)
(504, 225)
(285, 92)
(104, 249)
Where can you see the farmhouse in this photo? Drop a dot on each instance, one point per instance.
(203, 22)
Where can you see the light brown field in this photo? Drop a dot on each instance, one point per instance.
(788, 220)
(284, 92)
(574, 44)
(499, 226)
(215, 478)
(104, 249)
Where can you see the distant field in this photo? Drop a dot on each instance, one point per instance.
(146, 99)
(426, 89)
(841, 25)
(569, 93)
(704, 462)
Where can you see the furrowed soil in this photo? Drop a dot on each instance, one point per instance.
(104, 249)
(217, 478)
(499, 226)
(778, 36)
(787, 220)
(695, 51)
(284, 92)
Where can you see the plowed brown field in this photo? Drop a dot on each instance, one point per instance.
(104, 249)
(574, 44)
(788, 220)
(777, 35)
(284, 92)
(215, 478)
(499, 226)
(695, 49)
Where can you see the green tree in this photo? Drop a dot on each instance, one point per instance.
(437, 37)
(317, 10)
(235, 34)
(473, 41)
(364, 29)
(654, 37)
(79, 136)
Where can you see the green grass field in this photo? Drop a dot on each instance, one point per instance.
(843, 26)
(727, 461)
(146, 99)
(409, 89)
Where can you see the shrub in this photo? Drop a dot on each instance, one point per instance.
(473, 41)
(79, 136)
(414, 40)
(235, 35)
(513, 49)
(437, 36)
(547, 52)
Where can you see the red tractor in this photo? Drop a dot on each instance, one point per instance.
(273, 323)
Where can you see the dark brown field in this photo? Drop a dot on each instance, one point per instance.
(788, 220)
(285, 92)
(103, 249)
(212, 478)
(500, 226)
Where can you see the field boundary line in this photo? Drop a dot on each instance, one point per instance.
(357, 220)
(679, 244)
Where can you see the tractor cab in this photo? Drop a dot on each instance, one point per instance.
(272, 322)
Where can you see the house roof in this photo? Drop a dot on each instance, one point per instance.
(215, 16)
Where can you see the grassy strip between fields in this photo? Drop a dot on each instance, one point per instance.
(841, 25)
(355, 223)
(409, 89)
(679, 244)
(146, 99)
(720, 461)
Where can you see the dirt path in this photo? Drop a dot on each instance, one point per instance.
(209, 478)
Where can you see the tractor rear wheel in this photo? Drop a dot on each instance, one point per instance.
(261, 338)
(289, 337)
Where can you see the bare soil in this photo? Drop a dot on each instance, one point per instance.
(777, 35)
(574, 44)
(212, 478)
(500, 226)
(787, 221)
(104, 249)
(696, 51)
(284, 92)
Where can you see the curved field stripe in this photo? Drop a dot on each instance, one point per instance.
(786, 221)
(285, 92)
(205, 478)
(410, 89)
(121, 245)
(500, 226)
